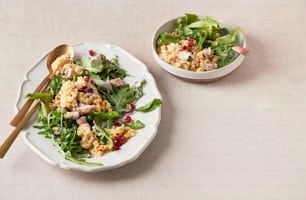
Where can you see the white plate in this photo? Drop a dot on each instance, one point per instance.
(130, 150)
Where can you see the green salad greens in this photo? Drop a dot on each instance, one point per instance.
(82, 131)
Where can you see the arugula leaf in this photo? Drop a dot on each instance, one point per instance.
(222, 47)
(39, 95)
(136, 125)
(67, 142)
(96, 79)
(139, 89)
(120, 96)
(190, 18)
(53, 118)
(68, 156)
(45, 96)
(102, 115)
(56, 84)
(104, 136)
(44, 109)
(166, 38)
(155, 103)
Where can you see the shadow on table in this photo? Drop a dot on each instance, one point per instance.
(254, 65)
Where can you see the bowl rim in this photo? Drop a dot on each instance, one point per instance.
(193, 74)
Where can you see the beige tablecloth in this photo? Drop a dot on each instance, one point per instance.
(242, 137)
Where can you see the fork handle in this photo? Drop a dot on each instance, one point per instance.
(11, 138)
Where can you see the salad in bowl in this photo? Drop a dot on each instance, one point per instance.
(191, 46)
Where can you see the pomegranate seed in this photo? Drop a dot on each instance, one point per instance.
(86, 78)
(184, 47)
(84, 89)
(90, 90)
(91, 52)
(123, 139)
(128, 119)
(131, 106)
(117, 124)
(118, 141)
(116, 147)
(190, 42)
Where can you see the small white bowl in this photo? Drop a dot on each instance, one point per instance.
(192, 76)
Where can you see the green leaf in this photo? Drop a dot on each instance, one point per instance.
(166, 38)
(104, 136)
(222, 47)
(96, 79)
(139, 89)
(190, 18)
(120, 96)
(136, 125)
(103, 115)
(43, 112)
(45, 97)
(229, 38)
(82, 161)
(155, 103)
(56, 84)
(39, 95)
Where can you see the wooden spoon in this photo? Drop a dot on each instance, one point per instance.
(23, 117)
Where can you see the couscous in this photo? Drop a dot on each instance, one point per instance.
(186, 55)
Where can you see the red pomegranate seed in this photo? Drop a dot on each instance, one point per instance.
(184, 47)
(86, 78)
(118, 141)
(90, 90)
(117, 124)
(128, 119)
(190, 42)
(92, 52)
(131, 106)
(123, 139)
(116, 147)
(84, 89)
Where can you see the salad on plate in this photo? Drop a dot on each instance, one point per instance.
(88, 109)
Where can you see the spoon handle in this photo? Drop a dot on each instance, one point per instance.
(11, 138)
(23, 110)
